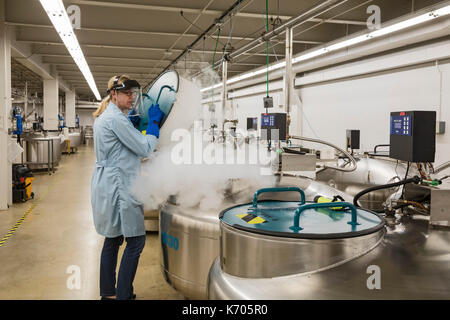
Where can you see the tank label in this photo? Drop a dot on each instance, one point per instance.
(251, 218)
(170, 241)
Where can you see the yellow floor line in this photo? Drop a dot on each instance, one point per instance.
(30, 209)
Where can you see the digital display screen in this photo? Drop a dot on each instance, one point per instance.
(268, 120)
(401, 125)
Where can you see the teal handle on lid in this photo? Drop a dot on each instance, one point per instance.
(279, 189)
(160, 90)
(353, 222)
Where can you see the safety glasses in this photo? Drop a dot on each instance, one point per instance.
(130, 93)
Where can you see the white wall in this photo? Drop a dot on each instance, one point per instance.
(366, 103)
(86, 118)
(363, 101)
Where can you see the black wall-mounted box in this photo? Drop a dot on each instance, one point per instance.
(413, 136)
(353, 139)
(271, 122)
(268, 102)
(252, 123)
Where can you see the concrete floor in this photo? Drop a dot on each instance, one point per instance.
(57, 241)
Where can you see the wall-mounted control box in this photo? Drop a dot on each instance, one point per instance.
(352, 141)
(413, 136)
(268, 102)
(273, 126)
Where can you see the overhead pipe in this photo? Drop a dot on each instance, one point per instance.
(359, 51)
(385, 43)
(348, 155)
(294, 22)
(200, 37)
(442, 167)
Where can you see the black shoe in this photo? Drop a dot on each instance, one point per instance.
(133, 297)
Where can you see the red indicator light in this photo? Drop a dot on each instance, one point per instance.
(402, 113)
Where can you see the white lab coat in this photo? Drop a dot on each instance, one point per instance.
(118, 148)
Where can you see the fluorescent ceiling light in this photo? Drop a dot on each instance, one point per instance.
(60, 20)
(442, 11)
(310, 55)
(346, 43)
(212, 87)
(403, 25)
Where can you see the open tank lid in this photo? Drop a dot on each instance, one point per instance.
(301, 219)
(165, 97)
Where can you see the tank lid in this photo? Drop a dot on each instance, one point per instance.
(162, 90)
(302, 219)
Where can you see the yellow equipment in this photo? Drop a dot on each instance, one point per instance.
(22, 179)
(321, 199)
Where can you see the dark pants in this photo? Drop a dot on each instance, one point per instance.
(128, 266)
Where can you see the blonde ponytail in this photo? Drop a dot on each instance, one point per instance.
(107, 99)
(102, 106)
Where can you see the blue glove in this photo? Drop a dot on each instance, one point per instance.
(134, 118)
(155, 116)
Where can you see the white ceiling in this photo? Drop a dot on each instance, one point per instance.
(140, 38)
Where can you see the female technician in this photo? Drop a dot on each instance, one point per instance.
(119, 148)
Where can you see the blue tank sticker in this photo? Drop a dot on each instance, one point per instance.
(170, 241)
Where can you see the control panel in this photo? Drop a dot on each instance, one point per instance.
(413, 136)
(401, 125)
(273, 126)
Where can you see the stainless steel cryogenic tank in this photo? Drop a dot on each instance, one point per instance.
(370, 172)
(311, 258)
(37, 149)
(189, 237)
(75, 139)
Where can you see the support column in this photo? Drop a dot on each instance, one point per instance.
(70, 109)
(5, 107)
(51, 105)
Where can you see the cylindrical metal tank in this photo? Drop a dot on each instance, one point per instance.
(369, 173)
(276, 238)
(189, 237)
(75, 139)
(411, 261)
(189, 242)
(37, 145)
(55, 136)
